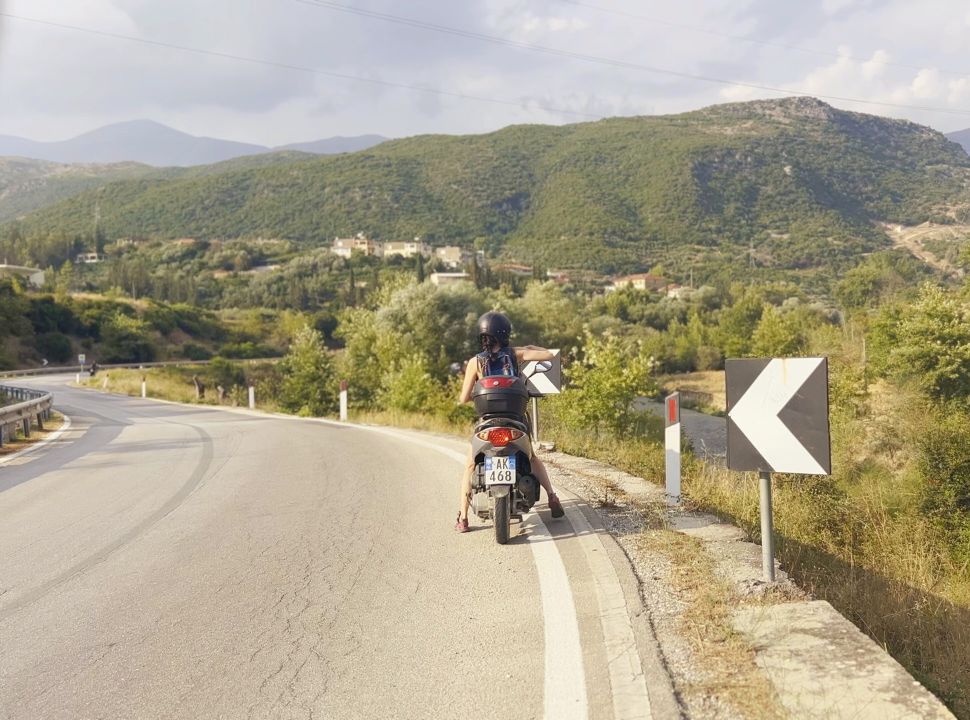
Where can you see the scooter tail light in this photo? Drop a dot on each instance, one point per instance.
(497, 382)
(500, 437)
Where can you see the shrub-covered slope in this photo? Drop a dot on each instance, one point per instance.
(800, 182)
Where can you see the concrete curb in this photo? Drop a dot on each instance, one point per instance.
(820, 664)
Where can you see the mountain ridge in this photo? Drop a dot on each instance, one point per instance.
(790, 183)
(153, 143)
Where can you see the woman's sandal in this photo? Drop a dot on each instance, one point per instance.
(461, 525)
(556, 506)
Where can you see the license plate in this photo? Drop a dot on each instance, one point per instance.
(500, 470)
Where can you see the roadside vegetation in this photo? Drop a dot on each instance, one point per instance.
(886, 538)
(778, 218)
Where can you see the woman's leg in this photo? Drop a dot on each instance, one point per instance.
(542, 475)
(466, 489)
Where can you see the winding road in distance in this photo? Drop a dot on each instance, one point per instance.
(169, 561)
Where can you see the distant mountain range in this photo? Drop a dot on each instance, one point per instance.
(790, 184)
(151, 143)
(962, 137)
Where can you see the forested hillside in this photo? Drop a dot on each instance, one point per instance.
(791, 184)
(27, 185)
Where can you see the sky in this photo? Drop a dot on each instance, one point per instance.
(279, 71)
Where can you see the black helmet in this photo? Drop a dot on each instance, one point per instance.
(494, 325)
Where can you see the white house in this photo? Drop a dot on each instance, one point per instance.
(451, 278)
(345, 246)
(407, 249)
(87, 258)
(453, 256)
(34, 276)
(643, 281)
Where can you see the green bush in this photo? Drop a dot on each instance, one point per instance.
(944, 463)
(309, 383)
(409, 387)
(191, 351)
(247, 351)
(603, 386)
(126, 340)
(225, 373)
(54, 346)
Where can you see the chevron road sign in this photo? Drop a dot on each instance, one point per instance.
(778, 415)
(544, 383)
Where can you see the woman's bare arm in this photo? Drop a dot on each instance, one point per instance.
(531, 353)
(471, 376)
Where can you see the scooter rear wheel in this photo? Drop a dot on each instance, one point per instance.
(503, 506)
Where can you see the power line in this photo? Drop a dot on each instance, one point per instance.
(613, 62)
(298, 68)
(753, 41)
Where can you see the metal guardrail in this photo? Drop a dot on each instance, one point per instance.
(29, 405)
(65, 369)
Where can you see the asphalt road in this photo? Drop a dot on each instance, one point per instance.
(166, 561)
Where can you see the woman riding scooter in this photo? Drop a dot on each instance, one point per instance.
(497, 358)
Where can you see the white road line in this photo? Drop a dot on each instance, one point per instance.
(630, 698)
(41, 443)
(564, 696)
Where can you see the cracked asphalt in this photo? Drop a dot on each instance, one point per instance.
(165, 561)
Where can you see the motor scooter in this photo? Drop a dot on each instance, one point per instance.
(503, 486)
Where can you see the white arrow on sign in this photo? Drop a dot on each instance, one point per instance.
(756, 414)
(539, 382)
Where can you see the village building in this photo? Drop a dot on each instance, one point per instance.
(449, 278)
(407, 249)
(87, 259)
(453, 256)
(33, 276)
(643, 281)
(514, 269)
(344, 247)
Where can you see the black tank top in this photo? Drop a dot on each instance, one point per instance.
(501, 363)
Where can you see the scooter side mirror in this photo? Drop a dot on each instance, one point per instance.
(542, 366)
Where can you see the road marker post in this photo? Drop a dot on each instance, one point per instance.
(672, 447)
(777, 421)
(252, 397)
(343, 401)
(144, 387)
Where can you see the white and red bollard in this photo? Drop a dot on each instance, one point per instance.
(672, 447)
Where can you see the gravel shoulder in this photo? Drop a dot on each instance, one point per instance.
(733, 645)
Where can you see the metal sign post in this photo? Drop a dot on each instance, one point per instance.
(672, 447)
(778, 421)
(767, 531)
(541, 384)
(535, 420)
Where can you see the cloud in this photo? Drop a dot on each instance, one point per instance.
(56, 83)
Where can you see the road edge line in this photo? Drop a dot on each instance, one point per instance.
(631, 700)
(40, 443)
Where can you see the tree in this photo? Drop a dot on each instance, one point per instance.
(930, 343)
(308, 386)
(603, 386)
(777, 334)
(126, 339)
(419, 267)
